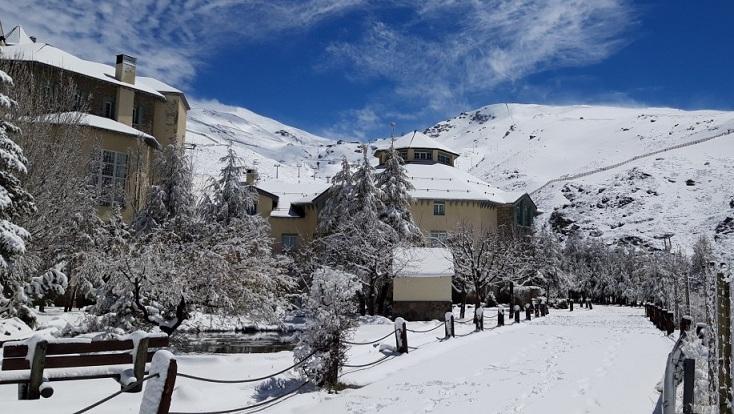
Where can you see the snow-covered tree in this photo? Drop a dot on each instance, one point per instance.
(396, 186)
(230, 197)
(171, 197)
(48, 286)
(330, 312)
(15, 203)
(339, 203)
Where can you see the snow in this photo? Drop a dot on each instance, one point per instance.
(566, 362)
(292, 193)
(423, 262)
(96, 122)
(440, 181)
(417, 139)
(50, 55)
(14, 329)
(18, 36)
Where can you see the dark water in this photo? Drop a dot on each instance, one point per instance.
(233, 342)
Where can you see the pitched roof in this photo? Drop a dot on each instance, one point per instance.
(423, 262)
(440, 181)
(98, 122)
(417, 139)
(18, 36)
(53, 56)
(290, 194)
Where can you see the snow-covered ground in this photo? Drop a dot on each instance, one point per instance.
(606, 360)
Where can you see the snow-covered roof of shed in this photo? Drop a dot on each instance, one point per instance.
(417, 139)
(423, 262)
(290, 193)
(440, 181)
(96, 122)
(53, 56)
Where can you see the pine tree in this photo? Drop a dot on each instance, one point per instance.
(231, 198)
(395, 186)
(338, 202)
(15, 203)
(172, 195)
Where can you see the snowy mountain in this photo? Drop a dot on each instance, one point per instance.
(262, 142)
(628, 175)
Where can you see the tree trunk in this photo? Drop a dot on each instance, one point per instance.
(362, 303)
(462, 311)
(371, 299)
(382, 299)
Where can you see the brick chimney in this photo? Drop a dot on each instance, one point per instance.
(125, 69)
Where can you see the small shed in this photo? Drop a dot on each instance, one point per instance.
(422, 284)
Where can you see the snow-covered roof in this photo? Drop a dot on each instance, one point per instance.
(27, 50)
(97, 122)
(417, 139)
(18, 36)
(423, 262)
(440, 181)
(290, 193)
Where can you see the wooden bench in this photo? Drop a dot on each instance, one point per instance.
(33, 363)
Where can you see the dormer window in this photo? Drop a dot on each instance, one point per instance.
(423, 155)
(444, 158)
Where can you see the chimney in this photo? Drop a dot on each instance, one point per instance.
(125, 69)
(251, 176)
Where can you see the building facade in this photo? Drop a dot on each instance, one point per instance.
(128, 117)
(445, 198)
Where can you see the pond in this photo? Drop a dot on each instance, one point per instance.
(233, 342)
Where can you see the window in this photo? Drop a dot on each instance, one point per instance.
(439, 208)
(111, 178)
(438, 238)
(444, 159)
(403, 154)
(108, 109)
(137, 115)
(289, 242)
(423, 155)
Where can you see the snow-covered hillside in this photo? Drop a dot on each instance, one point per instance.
(682, 192)
(649, 192)
(262, 142)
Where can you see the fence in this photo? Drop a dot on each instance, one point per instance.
(679, 367)
(164, 370)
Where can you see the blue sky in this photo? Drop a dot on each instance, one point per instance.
(347, 68)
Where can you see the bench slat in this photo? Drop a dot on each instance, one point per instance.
(71, 361)
(15, 351)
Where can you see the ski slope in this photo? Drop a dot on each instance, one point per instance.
(605, 360)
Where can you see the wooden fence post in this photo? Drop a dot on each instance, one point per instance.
(479, 318)
(449, 324)
(139, 359)
(689, 379)
(570, 304)
(724, 343)
(517, 313)
(669, 323)
(31, 390)
(158, 391)
(528, 312)
(401, 336)
(500, 317)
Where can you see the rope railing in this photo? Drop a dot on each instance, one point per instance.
(370, 342)
(115, 394)
(464, 322)
(247, 407)
(367, 364)
(427, 330)
(218, 381)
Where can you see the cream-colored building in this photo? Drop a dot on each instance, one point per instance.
(422, 283)
(445, 197)
(129, 118)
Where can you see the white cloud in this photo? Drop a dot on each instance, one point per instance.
(452, 49)
(171, 37)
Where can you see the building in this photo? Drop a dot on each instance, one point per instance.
(422, 284)
(130, 117)
(445, 197)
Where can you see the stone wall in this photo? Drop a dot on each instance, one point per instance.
(421, 310)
